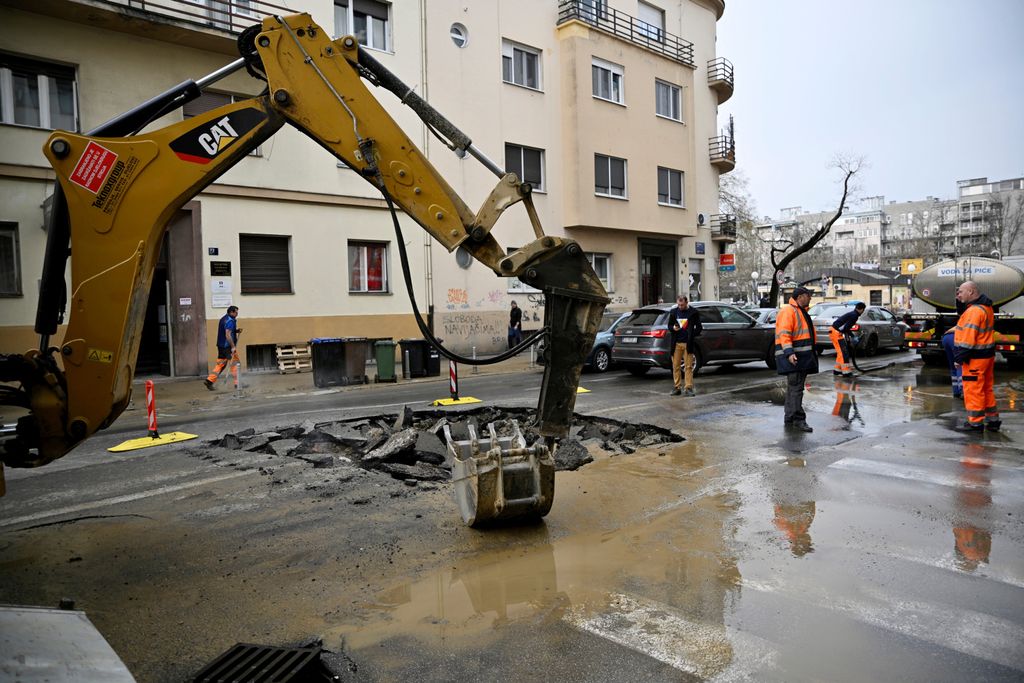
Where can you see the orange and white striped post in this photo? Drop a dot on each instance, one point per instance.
(151, 409)
(453, 380)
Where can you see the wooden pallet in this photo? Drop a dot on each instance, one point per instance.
(295, 357)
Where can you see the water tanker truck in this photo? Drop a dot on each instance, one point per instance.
(934, 304)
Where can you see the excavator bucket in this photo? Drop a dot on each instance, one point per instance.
(501, 478)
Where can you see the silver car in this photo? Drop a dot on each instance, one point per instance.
(877, 327)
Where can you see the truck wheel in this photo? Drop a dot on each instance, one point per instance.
(638, 370)
(1015, 362)
(934, 359)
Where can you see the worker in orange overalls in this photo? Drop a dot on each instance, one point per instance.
(974, 350)
(839, 333)
(794, 355)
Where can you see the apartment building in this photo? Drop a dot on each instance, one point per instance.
(609, 109)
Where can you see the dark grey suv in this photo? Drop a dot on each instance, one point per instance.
(642, 341)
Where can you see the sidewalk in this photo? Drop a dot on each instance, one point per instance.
(183, 392)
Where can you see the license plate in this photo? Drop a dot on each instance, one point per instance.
(629, 340)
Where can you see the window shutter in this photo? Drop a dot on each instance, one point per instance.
(265, 266)
(370, 8)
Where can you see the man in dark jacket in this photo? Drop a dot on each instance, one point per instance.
(684, 326)
(840, 336)
(794, 355)
(227, 347)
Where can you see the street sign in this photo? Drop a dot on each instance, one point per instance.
(727, 259)
(726, 269)
(780, 277)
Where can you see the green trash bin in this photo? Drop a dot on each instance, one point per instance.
(384, 350)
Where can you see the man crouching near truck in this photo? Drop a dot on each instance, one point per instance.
(974, 349)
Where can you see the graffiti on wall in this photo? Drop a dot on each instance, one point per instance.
(487, 331)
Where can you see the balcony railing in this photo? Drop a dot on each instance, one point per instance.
(720, 78)
(722, 150)
(622, 25)
(723, 227)
(232, 16)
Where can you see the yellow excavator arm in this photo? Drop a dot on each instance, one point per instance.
(118, 188)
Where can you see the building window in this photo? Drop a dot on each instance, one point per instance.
(367, 20)
(368, 267)
(592, 10)
(670, 186)
(37, 94)
(527, 163)
(459, 35)
(668, 100)
(609, 176)
(209, 101)
(10, 260)
(602, 264)
(607, 81)
(520, 65)
(265, 264)
(651, 24)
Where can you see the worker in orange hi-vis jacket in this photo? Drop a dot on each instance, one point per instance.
(974, 350)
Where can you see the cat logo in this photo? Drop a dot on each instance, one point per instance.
(204, 143)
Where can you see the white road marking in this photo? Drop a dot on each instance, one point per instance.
(661, 632)
(902, 471)
(82, 507)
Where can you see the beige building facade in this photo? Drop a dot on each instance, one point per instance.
(612, 118)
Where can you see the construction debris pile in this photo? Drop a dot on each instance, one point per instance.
(411, 446)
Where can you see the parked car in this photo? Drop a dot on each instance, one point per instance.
(765, 316)
(730, 336)
(600, 357)
(877, 327)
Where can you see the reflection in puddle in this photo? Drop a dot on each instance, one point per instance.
(669, 571)
(973, 539)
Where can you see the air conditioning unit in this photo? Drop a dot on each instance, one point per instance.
(701, 219)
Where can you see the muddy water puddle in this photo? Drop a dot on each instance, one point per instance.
(627, 535)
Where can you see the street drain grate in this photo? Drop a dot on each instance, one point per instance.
(245, 663)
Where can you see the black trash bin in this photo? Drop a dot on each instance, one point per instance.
(414, 352)
(433, 360)
(328, 362)
(338, 361)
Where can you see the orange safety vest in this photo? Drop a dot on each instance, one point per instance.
(975, 332)
(792, 333)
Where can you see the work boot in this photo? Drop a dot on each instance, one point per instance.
(209, 384)
(688, 392)
(847, 374)
(994, 425)
(675, 392)
(970, 427)
(803, 427)
(836, 372)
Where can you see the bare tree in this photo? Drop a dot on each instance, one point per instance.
(734, 199)
(1004, 214)
(785, 251)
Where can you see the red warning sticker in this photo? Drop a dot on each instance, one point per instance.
(94, 167)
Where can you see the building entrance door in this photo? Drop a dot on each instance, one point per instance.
(657, 271)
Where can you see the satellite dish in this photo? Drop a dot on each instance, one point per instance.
(701, 219)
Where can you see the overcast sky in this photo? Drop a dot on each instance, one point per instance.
(928, 91)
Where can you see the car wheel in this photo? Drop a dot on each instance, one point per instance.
(638, 370)
(871, 347)
(769, 360)
(602, 360)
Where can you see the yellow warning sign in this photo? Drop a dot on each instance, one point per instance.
(100, 356)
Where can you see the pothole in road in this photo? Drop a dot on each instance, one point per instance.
(411, 446)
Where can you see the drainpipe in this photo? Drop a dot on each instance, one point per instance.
(428, 263)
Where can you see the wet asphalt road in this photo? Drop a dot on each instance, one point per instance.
(884, 546)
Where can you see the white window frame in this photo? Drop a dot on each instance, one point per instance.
(345, 18)
(362, 247)
(669, 173)
(43, 88)
(674, 95)
(541, 185)
(609, 77)
(510, 50)
(11, 268)
(608, 280)
(650, 22)
(625, 177)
